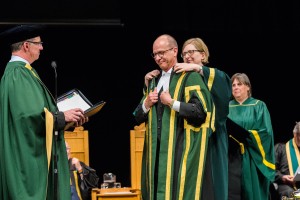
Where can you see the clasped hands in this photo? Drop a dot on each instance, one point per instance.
(288, 179)
(152, 98)
(76, 163)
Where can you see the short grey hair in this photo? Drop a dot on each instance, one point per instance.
(16, 46)
(297, 129)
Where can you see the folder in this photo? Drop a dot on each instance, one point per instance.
(76, 99)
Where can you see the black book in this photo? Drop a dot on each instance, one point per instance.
(76, 99)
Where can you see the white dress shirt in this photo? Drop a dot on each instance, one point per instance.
(164, 80)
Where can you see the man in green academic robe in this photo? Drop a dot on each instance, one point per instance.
(178, 124)
(195, 55)
(28, 118)
(287, 157)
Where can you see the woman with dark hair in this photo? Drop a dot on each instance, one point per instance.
(251, 144)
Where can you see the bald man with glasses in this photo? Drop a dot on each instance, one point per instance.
(178, 112)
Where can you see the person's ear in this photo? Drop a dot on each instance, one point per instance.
(25, 45)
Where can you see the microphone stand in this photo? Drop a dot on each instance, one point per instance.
(53, 64)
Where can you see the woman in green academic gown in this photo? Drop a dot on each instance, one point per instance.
(251, 147)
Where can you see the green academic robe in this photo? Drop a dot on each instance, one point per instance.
(219, 85)
(26, 156)
(190, 175)
(258, 160)
(292, 155)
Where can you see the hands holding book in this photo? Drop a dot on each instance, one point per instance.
(77, 108)
(76, 116)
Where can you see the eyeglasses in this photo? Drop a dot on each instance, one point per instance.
(36, 43)
(189, 52)
(160, 53)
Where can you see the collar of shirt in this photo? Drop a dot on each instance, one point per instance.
(17, 58)
(168, 73)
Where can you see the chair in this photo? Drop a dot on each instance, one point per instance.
(79, 141)
(136, 153)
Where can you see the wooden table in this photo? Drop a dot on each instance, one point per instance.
(116, 193)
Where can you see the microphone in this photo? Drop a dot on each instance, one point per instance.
(54, 65)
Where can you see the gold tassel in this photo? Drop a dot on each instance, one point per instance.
(241, 144)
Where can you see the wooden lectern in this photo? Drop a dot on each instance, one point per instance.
(134, 192)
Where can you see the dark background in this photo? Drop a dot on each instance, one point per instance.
(103, 48)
